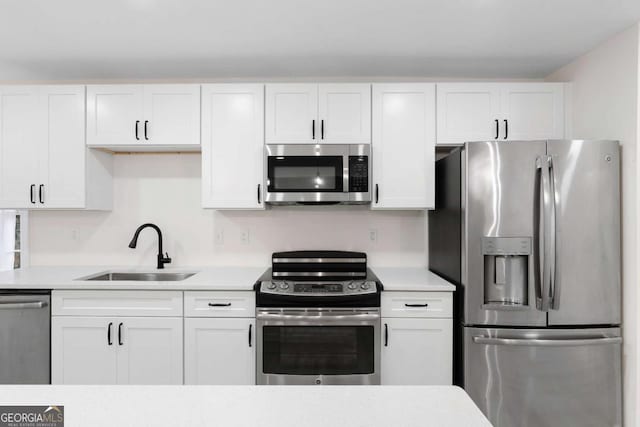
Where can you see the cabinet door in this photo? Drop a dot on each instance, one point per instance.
(149, 350)
(232, 146)
(81, 352)
(62, 174)
(468, 112)
(532, 111)
(292, 114)
(403, 145)
(220, 351)
(114, 115)
(171, 115)
(345, 113)
(416, 351)
(20, 146)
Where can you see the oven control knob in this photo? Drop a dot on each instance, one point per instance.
(365, 286)
(271, 286)
(284, 286)
(352, 286)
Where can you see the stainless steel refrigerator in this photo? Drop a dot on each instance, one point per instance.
(530, 233)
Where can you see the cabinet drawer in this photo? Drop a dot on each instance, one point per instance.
(117, 303)
(417, 304)
(220, 304)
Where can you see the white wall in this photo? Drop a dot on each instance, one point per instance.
(165, 189)
(605, 105)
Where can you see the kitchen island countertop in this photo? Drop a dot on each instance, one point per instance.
(265, 406)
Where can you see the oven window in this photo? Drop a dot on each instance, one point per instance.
(318, 350)
(305, 173)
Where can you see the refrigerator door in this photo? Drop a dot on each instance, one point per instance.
(500, 189)
(545, 378)
(586, 177)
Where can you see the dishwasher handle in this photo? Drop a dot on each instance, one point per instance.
(23, 305)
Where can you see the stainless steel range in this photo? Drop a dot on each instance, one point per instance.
(318, 318)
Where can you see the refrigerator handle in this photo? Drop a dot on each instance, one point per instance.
(553, 288)
(568, 342)
(542, 232)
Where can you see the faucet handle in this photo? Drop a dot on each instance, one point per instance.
(166, 258)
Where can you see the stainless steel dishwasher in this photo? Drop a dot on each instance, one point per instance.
(25, 337)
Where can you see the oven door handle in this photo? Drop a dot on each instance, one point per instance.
(327, 316)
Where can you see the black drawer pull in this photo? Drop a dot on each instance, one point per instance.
(120, 334)
(386, 335)
(416, 305)
(219, 304)
(109, 333)
(250, 328)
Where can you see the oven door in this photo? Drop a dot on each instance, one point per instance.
(307, 173)
(318, 346)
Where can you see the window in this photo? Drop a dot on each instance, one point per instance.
(13, 239)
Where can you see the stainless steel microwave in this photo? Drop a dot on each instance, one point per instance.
(318, 174)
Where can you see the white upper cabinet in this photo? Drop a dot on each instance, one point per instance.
(114, 114)
(533, 111)
(292, 113)
(403, 145)
(344, 111)
(143, 117)
(232, 146)
(171, 115)
(304, 113)
(468, 112)
(20, 146)
(44, 162)
(499, 111)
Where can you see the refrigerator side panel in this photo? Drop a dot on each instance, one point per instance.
(587, 205)
(500, 286)
(545, 377)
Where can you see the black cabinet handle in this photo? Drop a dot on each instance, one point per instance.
(120, 334)
(377, 194)
(313, 129)
(41, 193)
(31, 195)
(109, 333)
(259, 199)
(497, 129)
(137, 123)
(219, 304)
(146, 123)
(322, 129)
(416, 305)
(250, 327)
(386, 335)
(506, 128)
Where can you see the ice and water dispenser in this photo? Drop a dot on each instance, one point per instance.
(506, 270)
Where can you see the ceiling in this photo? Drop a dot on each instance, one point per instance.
(207, 39)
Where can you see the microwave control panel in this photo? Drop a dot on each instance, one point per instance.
(358, 174)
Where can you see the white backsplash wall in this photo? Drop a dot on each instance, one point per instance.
(165, 189)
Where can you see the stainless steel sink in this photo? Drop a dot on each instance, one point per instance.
(143, 277)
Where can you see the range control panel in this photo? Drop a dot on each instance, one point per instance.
(283, 287)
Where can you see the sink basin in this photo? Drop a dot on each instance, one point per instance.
(140, 277)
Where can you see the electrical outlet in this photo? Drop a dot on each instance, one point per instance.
(244, 237)
(219, 237)
(373, 235)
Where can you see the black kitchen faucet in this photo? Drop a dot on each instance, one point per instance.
(162, 259)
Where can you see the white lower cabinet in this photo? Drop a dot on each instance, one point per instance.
(93, 343)
(117, 350)
(416, 351)
(220, 351)
(417, 338)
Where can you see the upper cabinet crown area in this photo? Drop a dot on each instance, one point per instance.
(500, 111)
(44, 162)
(309, 113)
(144, 117)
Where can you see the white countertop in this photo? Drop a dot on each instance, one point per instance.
(265, 406)
(207, 278)
(411, 279)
